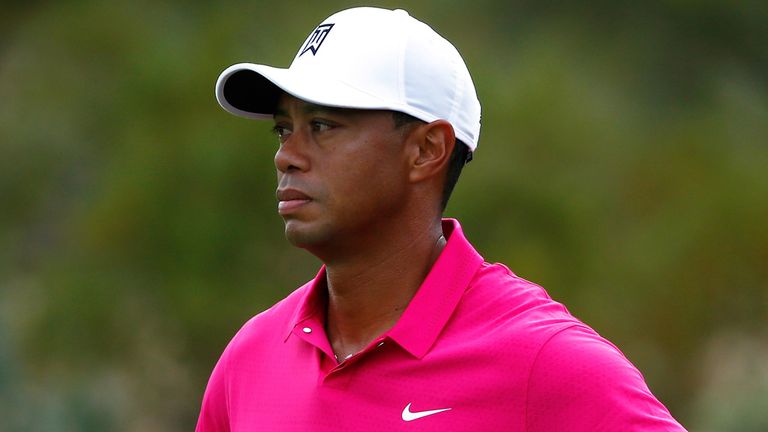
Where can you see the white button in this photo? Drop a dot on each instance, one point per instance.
(380, 344)
(307, 330)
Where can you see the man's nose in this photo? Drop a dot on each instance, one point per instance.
(291, 155)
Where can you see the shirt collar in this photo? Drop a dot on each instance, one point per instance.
(429, 310)
(312, 303)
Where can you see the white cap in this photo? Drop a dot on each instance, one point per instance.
(364, 58)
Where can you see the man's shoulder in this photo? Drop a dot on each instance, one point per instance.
(501, 312)
(574, 375)
(517, 304)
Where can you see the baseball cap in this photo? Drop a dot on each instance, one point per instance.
(364, 58)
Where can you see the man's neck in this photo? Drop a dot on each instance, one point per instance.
(369, 292)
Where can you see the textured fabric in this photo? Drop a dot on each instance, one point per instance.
(477, 349)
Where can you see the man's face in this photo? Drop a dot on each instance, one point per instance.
(342, 173)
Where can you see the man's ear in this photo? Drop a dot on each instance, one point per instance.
(432, 147)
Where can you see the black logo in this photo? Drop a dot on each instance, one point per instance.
(316, 39)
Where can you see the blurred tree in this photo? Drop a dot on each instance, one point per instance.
(621, 165)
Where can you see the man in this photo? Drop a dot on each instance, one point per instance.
(405, 327)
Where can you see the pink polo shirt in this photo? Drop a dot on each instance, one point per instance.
(477, 349)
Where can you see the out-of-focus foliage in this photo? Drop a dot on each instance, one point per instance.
(622, 165)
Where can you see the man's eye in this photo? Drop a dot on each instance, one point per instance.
(282, 132)
(321, 126)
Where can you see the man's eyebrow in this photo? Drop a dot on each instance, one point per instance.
(280, 112)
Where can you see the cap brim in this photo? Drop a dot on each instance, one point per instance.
(253, 90)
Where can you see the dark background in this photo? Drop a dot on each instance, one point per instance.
(622, 165)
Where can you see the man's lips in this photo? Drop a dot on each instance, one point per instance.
(290, 200)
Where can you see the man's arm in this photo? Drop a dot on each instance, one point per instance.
(581, 382)
(214, 413)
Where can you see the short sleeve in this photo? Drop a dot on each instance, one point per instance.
(214, 413)
(581, 382)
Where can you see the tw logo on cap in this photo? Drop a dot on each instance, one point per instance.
(316, 39)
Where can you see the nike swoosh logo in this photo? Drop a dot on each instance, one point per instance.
(409, 415)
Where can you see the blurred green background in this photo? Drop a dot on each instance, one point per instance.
(622, 165)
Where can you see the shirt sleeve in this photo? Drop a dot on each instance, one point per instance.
(581, 382)
(214, 413)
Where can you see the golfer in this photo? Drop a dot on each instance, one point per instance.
(405, 327)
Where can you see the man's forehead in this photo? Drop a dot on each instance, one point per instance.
(287, 105)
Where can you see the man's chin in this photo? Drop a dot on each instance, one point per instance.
(304, 234)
